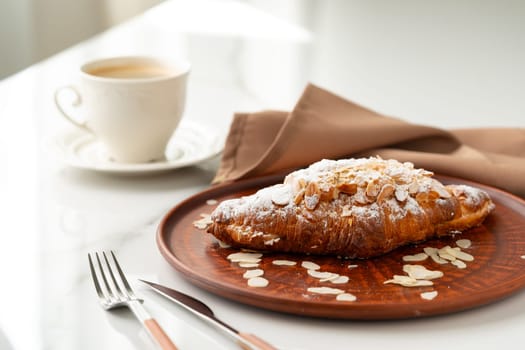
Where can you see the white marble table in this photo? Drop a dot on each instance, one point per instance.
(52, 215)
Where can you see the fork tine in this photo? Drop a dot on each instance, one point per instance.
(122, 276)
(95, 278)
(113, 279)
(109, 291)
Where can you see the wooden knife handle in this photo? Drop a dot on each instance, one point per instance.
(159, 335)
(258, 342)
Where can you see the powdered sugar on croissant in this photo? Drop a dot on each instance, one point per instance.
(352, 207)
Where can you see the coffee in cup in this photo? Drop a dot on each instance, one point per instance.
(131, 104)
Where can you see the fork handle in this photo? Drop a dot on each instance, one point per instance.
(154, 329)
(157, 333)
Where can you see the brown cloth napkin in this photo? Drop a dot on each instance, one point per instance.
(323, 125)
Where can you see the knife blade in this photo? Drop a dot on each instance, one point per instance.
(245, 340)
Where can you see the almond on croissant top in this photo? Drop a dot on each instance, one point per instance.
(358, 208)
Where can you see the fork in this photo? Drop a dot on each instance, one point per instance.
(115, 292)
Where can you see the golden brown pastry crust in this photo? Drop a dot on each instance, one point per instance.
(358, 208)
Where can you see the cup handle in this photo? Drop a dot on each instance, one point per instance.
(75, 103)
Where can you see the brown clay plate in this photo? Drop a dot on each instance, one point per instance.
(497, 271)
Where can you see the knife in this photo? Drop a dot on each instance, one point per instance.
(245, 340)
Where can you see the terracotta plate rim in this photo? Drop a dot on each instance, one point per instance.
(364, 311)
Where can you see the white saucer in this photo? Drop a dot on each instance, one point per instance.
(191, 144)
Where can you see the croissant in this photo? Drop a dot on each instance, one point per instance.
(357, 208)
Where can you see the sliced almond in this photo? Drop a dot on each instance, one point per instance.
(385, 193)
(245, 257)
(211, 202)
(200, 225)
(299, 196)
(446, 253)
(203, 222)
(422, 283)
(413, 187)
(464, 243)
(401, 279)
(302, 183)
(459, 264)
(407, 281)
(311, 202)
(430, 250)
(440, 189)
(253, 273)
(348, 188)
(437, 259)
(312, 189)
(325, 290)
(372, 189)
(281, 195)
(284, 263)
(223, 244)
(401, 194)
(248, 265)
(447, 256)
(322, 275)
(429, 295)
(460, 255)
(340, 280)
(360, 197)
(258, 282)
(415, 257)
(420, 272)
(310, 265)
(345, 297)
(408, 165)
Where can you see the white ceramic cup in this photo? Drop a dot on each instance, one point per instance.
(131, 104)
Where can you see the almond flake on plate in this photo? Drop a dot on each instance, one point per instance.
(415, 257)
(458, 254)
(284, 263)
(322, 275)
(438, 259)
(430, 251)
(463, 243)
(211, 201)
(445, 253)
(420, 272)
(407, 281)
(429, 295)
(459, 264)
(222, 244)
(340, 280)
(248, 265)
(325, 290)
(253, 273)
(310, 265)
(203, 222)
(346, 297)
(258, 282)
(245, 257)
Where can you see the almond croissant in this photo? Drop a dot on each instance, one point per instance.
(358, 208)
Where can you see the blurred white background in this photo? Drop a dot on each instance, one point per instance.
(31, 30)
(462, 62)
